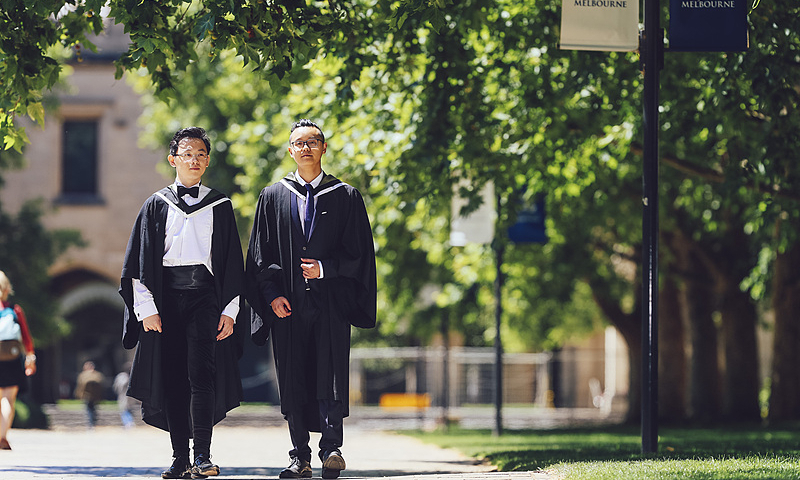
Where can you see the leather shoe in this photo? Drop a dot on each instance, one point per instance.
(202, 467)
(332, 464)
(180, 469)
(299, 468)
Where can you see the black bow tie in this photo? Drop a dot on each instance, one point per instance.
(194, 191)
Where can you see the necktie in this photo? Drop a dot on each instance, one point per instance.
(194, 191)
(309, 210)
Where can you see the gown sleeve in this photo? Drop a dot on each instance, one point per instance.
(262, 272)
(356, 285)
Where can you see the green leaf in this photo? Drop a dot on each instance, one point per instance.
(36, 113)
(438, 20)
(146, 44)
(204, 25)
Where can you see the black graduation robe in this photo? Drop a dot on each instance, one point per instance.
(144, 260)
(341, 238)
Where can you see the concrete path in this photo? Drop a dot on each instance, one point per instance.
(242, 452)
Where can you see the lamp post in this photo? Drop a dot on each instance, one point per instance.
(652, 51)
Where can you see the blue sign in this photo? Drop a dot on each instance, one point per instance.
(707, 25)
(530, 225)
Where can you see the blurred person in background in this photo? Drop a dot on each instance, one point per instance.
(120, 387)
(17, 358)
(90, 387)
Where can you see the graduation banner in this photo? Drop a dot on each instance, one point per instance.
(529, 227)
(604, 25)
(478, 226)
(707, 25)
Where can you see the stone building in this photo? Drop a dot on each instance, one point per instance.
(87, 166)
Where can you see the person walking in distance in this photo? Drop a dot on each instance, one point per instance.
(120, 387)
(310, 272)
(90, 387)
(17, 358)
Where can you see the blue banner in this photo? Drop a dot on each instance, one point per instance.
(530, 225)
(707, 25)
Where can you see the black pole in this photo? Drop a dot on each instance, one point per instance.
(652, 47)
(498, 345)
(445, 419)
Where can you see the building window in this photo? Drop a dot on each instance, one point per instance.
(79, 162)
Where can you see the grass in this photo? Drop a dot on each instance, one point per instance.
(614, 452)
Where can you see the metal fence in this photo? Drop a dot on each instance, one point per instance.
(460, 376)
(590, 376)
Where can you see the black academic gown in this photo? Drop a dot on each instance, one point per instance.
(143, 260)
(341, 238)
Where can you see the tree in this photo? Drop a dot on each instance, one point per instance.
(425, 95)
(726, 142)
(270, 37)
(27, 251)
(29, 58)
(484, 98)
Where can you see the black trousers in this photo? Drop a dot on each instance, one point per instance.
(189, 327)
(330, 423)
(314, 381)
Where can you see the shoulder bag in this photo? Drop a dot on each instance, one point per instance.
(10, 335)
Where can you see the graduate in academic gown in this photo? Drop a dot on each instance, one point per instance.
(310, 276)
(184, 253)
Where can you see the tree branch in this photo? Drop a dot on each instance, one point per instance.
(716, 176)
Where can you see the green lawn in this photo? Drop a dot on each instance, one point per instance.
(749, 452)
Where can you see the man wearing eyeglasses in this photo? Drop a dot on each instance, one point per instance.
(310, 272)
(182, 279)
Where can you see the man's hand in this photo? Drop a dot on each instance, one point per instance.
(225, 327)
(310, 267)
(281, 307)
(152, 323)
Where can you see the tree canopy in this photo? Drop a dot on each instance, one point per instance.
(419, 97)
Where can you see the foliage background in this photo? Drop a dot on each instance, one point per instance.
(422, 99)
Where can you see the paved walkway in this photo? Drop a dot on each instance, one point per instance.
(242, 452)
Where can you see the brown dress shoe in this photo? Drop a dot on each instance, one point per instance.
(4, 444)
(333, 464)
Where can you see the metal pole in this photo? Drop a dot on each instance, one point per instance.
(498, 345)
(445, 418)
(653, 47)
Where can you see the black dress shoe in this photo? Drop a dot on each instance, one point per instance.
(332, 464)
(299, 468)
(180, 469)
(203, 467)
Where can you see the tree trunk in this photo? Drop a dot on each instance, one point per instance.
(698, 301)
(629, 326)
(740, 378)
(634, 341)
(784, 402)
(732, 259)
(672, 355)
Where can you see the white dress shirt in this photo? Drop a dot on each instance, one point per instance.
(187, 242)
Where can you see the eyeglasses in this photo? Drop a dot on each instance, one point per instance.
(312, 143)
(188, 156)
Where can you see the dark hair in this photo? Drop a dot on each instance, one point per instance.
(307, 123)
(189, 132)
